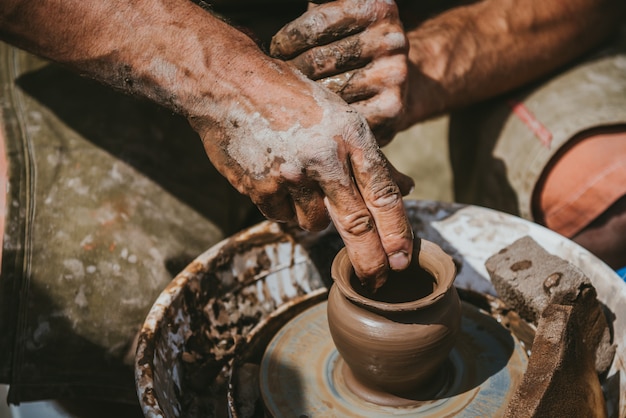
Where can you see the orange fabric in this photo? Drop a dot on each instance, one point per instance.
(584, 182)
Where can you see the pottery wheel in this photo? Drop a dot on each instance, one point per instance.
(302, 374)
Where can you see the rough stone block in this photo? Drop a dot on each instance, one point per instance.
(528, 279)
(561, 380)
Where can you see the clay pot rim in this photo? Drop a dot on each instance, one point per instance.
(427, 253)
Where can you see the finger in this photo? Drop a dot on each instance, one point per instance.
(344, 54)
(276, 207)
(351, 85)
(383, 113)
(351, 52)
(382, 195)
(369, 215)
(351, 217)
(347, 86)
(358, 231)
(326, 23)
(382, 74)
(310, 209)
(377, 92)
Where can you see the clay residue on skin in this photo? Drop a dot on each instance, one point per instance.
(312, 29)
(163, 70)
(395, 40)
(339, 82)
(341, 55)
(293, 141)
(299, 37)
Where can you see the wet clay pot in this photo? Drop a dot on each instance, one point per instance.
(396, 339)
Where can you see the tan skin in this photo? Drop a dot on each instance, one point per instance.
(454, 58)
(366, 63)
(460, 56)
(298, 150)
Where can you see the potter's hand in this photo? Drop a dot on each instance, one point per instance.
(300, 152)
(296, 148)
(357, 49)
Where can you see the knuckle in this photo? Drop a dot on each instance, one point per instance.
(341, 55)
(385, 109)
(389, 105)
(396, 70)
(380, 9)
(358, 135)
(373, 271)
(322, 160)
(386, 196)
(319, 58)
(313, 23)
(395, 40)
(347, 53)
(278, 46)
(385, 9)
(314, 225)
(358, 223)
(316, 62)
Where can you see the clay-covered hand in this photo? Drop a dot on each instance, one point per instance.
(358, 49)
(297, 149)
(301, 153)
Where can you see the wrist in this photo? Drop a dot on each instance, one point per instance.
(184, 60)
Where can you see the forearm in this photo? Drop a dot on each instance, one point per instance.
(297, 150)
(161, 50)
(474, 52)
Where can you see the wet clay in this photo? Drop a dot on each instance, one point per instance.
(437, 384)
(477, 379)
(396, 340)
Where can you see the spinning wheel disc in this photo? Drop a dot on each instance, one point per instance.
(302, 373)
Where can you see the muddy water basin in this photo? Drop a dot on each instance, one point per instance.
(225, 307)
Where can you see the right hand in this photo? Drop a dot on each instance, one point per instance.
(301, 153)
(357, 49)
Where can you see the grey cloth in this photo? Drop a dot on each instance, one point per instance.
(500, 148)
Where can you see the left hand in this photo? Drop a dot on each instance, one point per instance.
(357, 49)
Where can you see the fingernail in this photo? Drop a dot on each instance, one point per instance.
(399, 260)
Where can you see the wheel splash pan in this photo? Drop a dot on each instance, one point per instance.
(188, 339)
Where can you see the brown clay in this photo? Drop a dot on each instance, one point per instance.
(396, 339)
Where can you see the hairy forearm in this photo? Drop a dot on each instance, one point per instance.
(477, 51)
(161, 50)
(296, 149)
